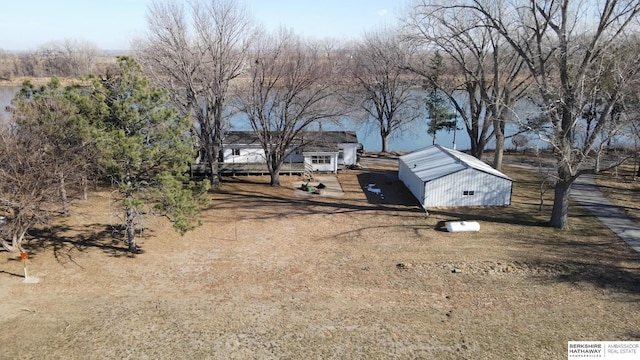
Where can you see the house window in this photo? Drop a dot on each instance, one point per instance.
(468, 192)
(235, 152)
(321, 159)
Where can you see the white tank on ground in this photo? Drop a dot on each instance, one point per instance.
(457, 226)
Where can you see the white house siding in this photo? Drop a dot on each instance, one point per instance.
(243, 147)
(349, 154)
(247, 155)
(254, 155)
(487, 190)
(332, 166)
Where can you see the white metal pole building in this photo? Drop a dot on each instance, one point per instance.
(442, 177)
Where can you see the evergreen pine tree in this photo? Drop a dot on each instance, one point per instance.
(145, 148)
(438, 111)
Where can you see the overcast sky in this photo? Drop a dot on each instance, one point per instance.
(111, 24)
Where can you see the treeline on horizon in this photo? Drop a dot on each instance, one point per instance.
(69, 58)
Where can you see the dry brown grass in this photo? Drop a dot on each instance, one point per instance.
(270, 275)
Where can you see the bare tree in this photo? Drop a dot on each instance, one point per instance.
(565, 45)
(46, 113)
(27, 64)
(384, 88)
(196, 53)
(632, 108)
(69, 57)
(290, 86)
(6, 65)
(486, 78)
(29, 191)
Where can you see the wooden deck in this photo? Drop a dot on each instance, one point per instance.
(232, 169)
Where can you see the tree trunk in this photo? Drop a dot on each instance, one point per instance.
(63, 193)
(131, 229)
(210, 154)
(215, 179)
(275, 179)
(85, 187)
(217, 142)
(477, 148)
(274, 170)
(499, 154)
(16, 240)
(385, 142)
(7, 246)
(560, 212)
(12, 246)
(130, 216)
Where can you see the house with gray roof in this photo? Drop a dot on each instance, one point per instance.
(318, 151)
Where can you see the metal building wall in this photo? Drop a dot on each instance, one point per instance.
(449, 190)
(410, 180)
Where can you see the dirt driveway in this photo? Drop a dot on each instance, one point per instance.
(270, 275)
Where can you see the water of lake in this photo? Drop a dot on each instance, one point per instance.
(413, 137)
(6, 94)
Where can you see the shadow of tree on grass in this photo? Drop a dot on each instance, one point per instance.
(588, 258)
(64, 240)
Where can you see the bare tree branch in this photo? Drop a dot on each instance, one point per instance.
(292, 85)
(197, 52)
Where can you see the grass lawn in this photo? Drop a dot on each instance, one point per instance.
(270, 275)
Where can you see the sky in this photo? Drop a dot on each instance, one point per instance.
(112, 24)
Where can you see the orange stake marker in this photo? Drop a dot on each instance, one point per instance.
(23, 256)
(27, 279)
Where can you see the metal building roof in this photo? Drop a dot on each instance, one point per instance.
(436, 161)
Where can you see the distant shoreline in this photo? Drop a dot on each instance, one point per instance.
(37, 81)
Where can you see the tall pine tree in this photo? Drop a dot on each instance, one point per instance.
(146, 147)
(438, 110)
